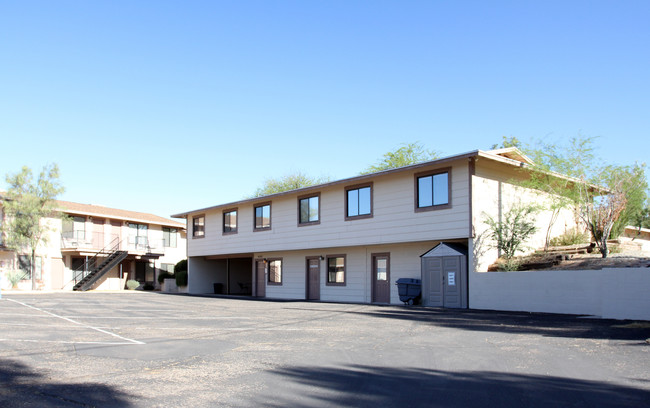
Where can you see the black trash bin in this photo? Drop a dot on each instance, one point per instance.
(409, 290)
(218, 288)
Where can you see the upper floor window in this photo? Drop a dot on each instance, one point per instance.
(138, 235)
(308, 210)
(74, 228)
(358, 202)
(230, 222)
(432, 190)
(275, 271)
(198, 226)
(169, 237)
(263, 216)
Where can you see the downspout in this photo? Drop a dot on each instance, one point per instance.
(33, 269)
(471, 232)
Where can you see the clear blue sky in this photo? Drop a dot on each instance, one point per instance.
(168, 106)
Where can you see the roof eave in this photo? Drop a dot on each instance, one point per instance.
(348, 180)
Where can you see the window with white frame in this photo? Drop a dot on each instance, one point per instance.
(169, 237)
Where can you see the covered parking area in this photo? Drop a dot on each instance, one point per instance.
(227, 275)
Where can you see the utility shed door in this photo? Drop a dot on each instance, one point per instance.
(444, 276)
(432, 281)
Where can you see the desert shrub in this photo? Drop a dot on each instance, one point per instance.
(164, 275)
(132, 284)
(615, 249)
(14, 276)
(509, 264)
(511, 234)
(570, 237)
(181, 278)
(180, 266)
(180, 273)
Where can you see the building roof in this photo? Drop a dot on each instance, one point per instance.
(126, 215)
(510, 155)
(99, 211)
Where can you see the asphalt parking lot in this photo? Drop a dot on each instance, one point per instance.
(140, 349)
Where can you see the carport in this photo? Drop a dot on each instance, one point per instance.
(220, 275)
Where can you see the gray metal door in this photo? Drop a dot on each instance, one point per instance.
(313, 278)
(452, 279)
(433, 290)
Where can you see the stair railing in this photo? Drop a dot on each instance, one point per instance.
(90, 264)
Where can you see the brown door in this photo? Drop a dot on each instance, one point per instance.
(116, 228)
(381, 278)
(260, 279)
(313, 278)
(98, 233)
(57, 273)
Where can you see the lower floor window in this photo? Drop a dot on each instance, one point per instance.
(275, 271)
(25, 266)
(336, 270)
(167, 267)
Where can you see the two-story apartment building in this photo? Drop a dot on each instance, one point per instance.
(117, 244)
(350, 240)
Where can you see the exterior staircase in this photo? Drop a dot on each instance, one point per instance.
(89, 273)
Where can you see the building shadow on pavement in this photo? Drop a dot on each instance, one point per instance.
(365, 386)
(550, 325)
(20, 386)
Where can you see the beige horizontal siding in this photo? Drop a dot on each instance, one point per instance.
(404, 263)
(394, 220)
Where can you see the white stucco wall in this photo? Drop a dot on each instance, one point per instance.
(616, 293)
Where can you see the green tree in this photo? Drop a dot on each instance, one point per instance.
(408, 153)
(27, 203)
(288, 182)
(605, 197)
(508, 142)
(601, 209)
(634, 185)
(574, 159)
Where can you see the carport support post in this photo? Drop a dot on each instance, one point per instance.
(227, 276)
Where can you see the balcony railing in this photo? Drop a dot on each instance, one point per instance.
(144, 244)
(131, 244)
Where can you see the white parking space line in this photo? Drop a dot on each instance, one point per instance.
(163, 317)
(108, 343)
(129, 341)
